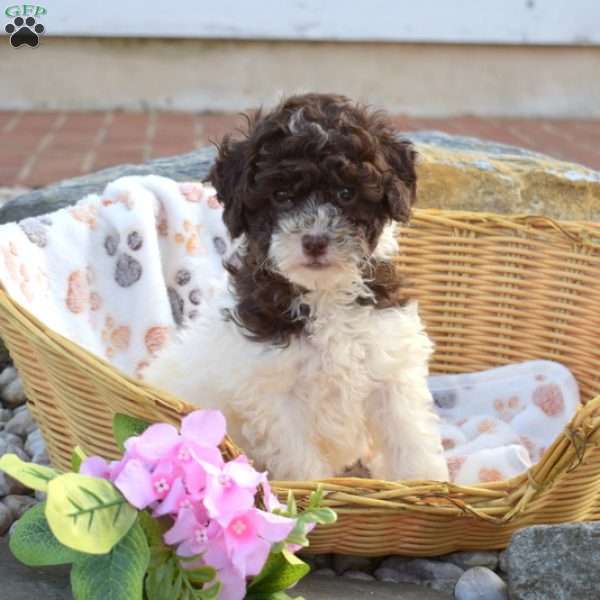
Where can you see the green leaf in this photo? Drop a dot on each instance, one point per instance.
(33, 544)
(77, 457)
(292, 508)
(87, 514)
(322, 516)
(31, 475)
(125, 427)
(279, 573)
(118, 575)
(168, 579)
(153, 528)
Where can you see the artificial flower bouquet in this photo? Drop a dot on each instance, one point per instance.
(170, 520)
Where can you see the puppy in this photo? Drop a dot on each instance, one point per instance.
(312, 354)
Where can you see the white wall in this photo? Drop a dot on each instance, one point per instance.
(420, 79)
(441, 21)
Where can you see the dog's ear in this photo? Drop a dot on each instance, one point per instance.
(228, 175)
(401, 177)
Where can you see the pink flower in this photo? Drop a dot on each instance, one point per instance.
(230, 489)
(233, 585)
(163, 464)
(191, 533)
(249, 536)
(201, 432)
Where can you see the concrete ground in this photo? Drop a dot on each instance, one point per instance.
(18, 582)
(37, 148)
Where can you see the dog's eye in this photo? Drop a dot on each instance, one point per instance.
(282, 199)
(345, 195)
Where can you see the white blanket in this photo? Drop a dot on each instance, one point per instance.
(120, 271)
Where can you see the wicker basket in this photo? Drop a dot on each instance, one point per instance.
(493, 290)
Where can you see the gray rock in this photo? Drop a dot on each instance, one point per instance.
(41, 459)
(5, 415)
(325, 572)
(20, 409)
(503, 561)
(9, 447)
(185, 167)
(8, 375)
(13, 438)
(343, 563)
(436, 574)
(21, 424)
(9, 486)
(480, 583)
(387, 575)
(359, 575)
(466, 560)
(13, 394)
(35, 443)
(555, 562)
(6, 518)
(18, 504)
(317, 561)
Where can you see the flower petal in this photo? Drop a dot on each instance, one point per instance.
(135, 483)
(182, 529)
(273, 528)
(171, 503)
(223, 504)
(243, 474)
(233, 584)
(155, 443)
(250, 558)
(205, 427)
(95, 466)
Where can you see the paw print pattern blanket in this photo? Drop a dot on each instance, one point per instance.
(120, 271)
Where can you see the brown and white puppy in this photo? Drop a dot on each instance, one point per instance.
(312, 354)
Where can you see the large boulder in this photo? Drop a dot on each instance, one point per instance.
(469, 174)
(454, 172)
(555, 561)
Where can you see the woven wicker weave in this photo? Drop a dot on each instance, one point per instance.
(493, 290)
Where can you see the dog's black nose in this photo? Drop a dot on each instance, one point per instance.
(315, 245)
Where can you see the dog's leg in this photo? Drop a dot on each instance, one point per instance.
(283, 445)
(405, 431)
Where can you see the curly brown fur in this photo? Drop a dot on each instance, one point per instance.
(309, 148)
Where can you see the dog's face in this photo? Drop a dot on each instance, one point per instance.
(312, 186)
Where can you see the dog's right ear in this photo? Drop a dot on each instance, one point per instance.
(228, 175)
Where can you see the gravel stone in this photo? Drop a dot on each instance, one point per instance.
(9, 447)
(10, 486)
(503, 561)
(387, 575)
(8, 375)
(41, 459)
(6, 519)
(5, 415)
(18, 504)
(480, 583)
(21, 424)
(13, 394)
(35, 443)
(360, 575)
(435, 574)
(343, 563)
(325, 572)
(466, 560)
